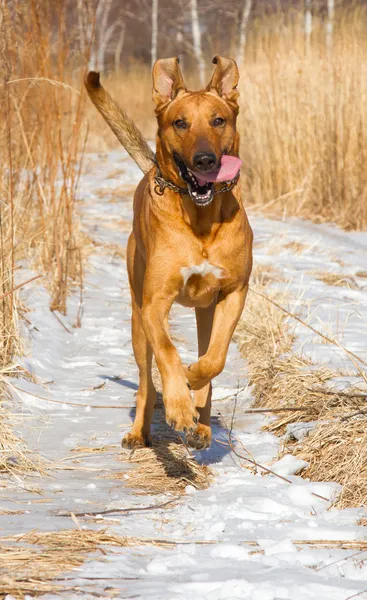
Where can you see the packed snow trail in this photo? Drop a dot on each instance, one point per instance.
(80, 365)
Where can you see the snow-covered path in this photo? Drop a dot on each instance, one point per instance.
(240, 507)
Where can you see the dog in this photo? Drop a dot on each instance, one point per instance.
(191, 241)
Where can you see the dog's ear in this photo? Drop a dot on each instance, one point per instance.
(167, 82)
(224, 80)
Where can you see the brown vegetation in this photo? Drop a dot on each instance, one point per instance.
(336, 448)
(166, 467)
(32, 562)
(41, 138)
(304, 134)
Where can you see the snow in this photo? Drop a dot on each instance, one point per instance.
(237, 539)
(288, 465)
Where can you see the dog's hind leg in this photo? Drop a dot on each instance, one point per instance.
(202, 435)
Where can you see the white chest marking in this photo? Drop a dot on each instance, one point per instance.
(203, 269)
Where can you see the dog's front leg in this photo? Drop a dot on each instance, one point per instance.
(226, 316)
(180, 409)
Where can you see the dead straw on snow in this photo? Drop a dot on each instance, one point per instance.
(167, 467)
(16, 459)
(33, 563)
(338, 452)
(336, 279)
(32, 568)
(336, 449)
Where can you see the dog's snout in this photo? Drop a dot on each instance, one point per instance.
(204, 161)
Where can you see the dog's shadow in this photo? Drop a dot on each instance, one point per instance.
(163, 434)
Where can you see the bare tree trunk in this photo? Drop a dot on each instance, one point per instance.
(119, 46)
(196, 36)
(104, 33)
(104, 45)
(246, 11)
(180, 46)
(308, 24)
(330, 25)
(154, 31)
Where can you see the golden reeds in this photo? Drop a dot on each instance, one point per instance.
(31, 562)
(336, 449)
(303, 119)
(41, 138)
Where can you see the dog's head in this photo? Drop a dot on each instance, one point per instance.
(197, 130)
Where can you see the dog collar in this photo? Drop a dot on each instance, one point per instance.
(161, 184)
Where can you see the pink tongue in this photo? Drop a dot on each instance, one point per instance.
(229, 167)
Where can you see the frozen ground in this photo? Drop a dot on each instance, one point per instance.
(240, 507)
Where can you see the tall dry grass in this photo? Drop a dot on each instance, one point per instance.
(41, 136)
(304, 119)
(41, 139)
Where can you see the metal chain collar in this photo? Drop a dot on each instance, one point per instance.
(162, 184)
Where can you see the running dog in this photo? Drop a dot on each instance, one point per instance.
(191, 241)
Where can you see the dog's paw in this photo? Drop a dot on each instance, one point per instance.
(195, 380)
(201, 373)
(181, 413)
(131, 440)
(200, 438)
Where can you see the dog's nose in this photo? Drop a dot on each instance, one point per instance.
(204, 161)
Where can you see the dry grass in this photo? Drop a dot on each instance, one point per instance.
(32, 562)
(41, 133)
(167, 467)
(304, 119)
(296, 247)
(336, 279)
(336, 449)
(16, 459)
(35, 563)
(41, 136)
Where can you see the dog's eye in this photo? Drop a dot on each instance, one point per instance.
(180, 124)
(218, 122)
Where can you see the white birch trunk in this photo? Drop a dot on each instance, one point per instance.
(119, 46)
(246, 11)
(101, 35)
(308, 24)
(179, 43)
(196, 37)
(104, 45)
(153, 52)
(330, 25)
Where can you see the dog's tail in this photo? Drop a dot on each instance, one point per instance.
(122, 126)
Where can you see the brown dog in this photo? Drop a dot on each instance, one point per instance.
(191, 240)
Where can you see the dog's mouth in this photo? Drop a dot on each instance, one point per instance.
(201, 193)
(200, 185)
